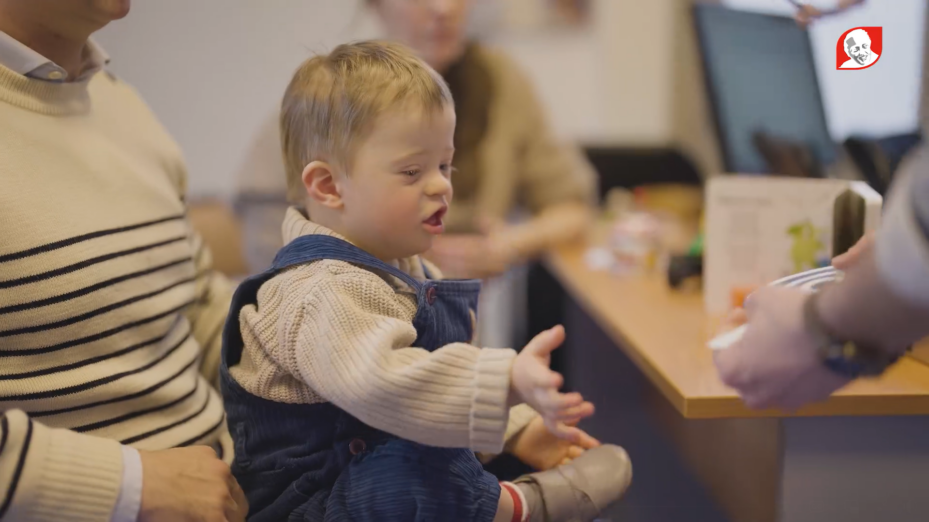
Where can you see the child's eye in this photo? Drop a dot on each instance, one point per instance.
(411, 173)
(447, 168)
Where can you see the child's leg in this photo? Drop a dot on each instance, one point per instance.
(403, 480)
(579, 490)
(505, 507)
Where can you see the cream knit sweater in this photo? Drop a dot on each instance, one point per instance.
(108, 310)
(330, 331)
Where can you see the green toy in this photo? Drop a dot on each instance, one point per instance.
(806, 246)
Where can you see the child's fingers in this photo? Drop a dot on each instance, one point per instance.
(571, 434)
(553, 402)
(585, 441)
(546, 342)
(575, 452)
(563, 431)
(574, 414)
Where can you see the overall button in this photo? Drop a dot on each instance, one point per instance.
(357, 446)
(430, 295)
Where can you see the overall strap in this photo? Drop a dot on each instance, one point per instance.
(305, 249)
(301, 250)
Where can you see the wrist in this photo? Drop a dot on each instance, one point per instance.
(840, 354)
(860, 309)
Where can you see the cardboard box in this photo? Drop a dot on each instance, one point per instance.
(759, 229)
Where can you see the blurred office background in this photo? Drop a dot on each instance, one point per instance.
(655, 91)
(628, 76)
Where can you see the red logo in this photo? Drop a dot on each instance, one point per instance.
(859, 48)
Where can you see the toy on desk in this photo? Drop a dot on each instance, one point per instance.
(683, 267)
(807, 249)
(809, 281)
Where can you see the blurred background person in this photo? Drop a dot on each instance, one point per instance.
(507, 160)
(506, 156)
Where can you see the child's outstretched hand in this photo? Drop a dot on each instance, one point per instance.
(533, 382)
(539, 448)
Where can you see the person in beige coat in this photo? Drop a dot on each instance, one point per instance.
(506, 158)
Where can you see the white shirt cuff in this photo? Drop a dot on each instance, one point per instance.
(130, 493)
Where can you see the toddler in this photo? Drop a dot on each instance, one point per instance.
(352, 390)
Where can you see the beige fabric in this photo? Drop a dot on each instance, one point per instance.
(66, 472)
(330, 331)
(109, 312)
(520, 163)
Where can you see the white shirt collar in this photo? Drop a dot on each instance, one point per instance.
(24, 60)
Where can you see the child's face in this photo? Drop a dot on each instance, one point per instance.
(400, 185)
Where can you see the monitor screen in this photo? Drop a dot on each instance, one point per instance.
(761, 78)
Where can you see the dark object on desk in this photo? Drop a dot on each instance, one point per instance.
(684, 267)
(786, 157)
(877, 159)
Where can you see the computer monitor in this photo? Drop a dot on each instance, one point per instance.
(761, 78)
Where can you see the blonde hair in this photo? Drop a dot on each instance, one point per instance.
(333, 100)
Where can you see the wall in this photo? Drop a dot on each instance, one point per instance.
(214, 71)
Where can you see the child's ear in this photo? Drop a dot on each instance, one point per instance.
(319, 179)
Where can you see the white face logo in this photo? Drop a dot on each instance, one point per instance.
(858, 48)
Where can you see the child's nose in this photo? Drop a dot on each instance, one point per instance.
(439, 185)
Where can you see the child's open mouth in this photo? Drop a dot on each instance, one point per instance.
(434, 224)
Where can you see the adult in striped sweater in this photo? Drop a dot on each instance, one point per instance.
(110, 316)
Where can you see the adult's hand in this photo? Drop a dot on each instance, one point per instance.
(806, 14)
(851, 258)
(775, 363)
(189, 485)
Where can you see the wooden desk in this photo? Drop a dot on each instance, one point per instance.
(665, 332)
(637, 349)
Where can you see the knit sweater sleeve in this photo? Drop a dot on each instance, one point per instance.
(352, 342)
(46, 472)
